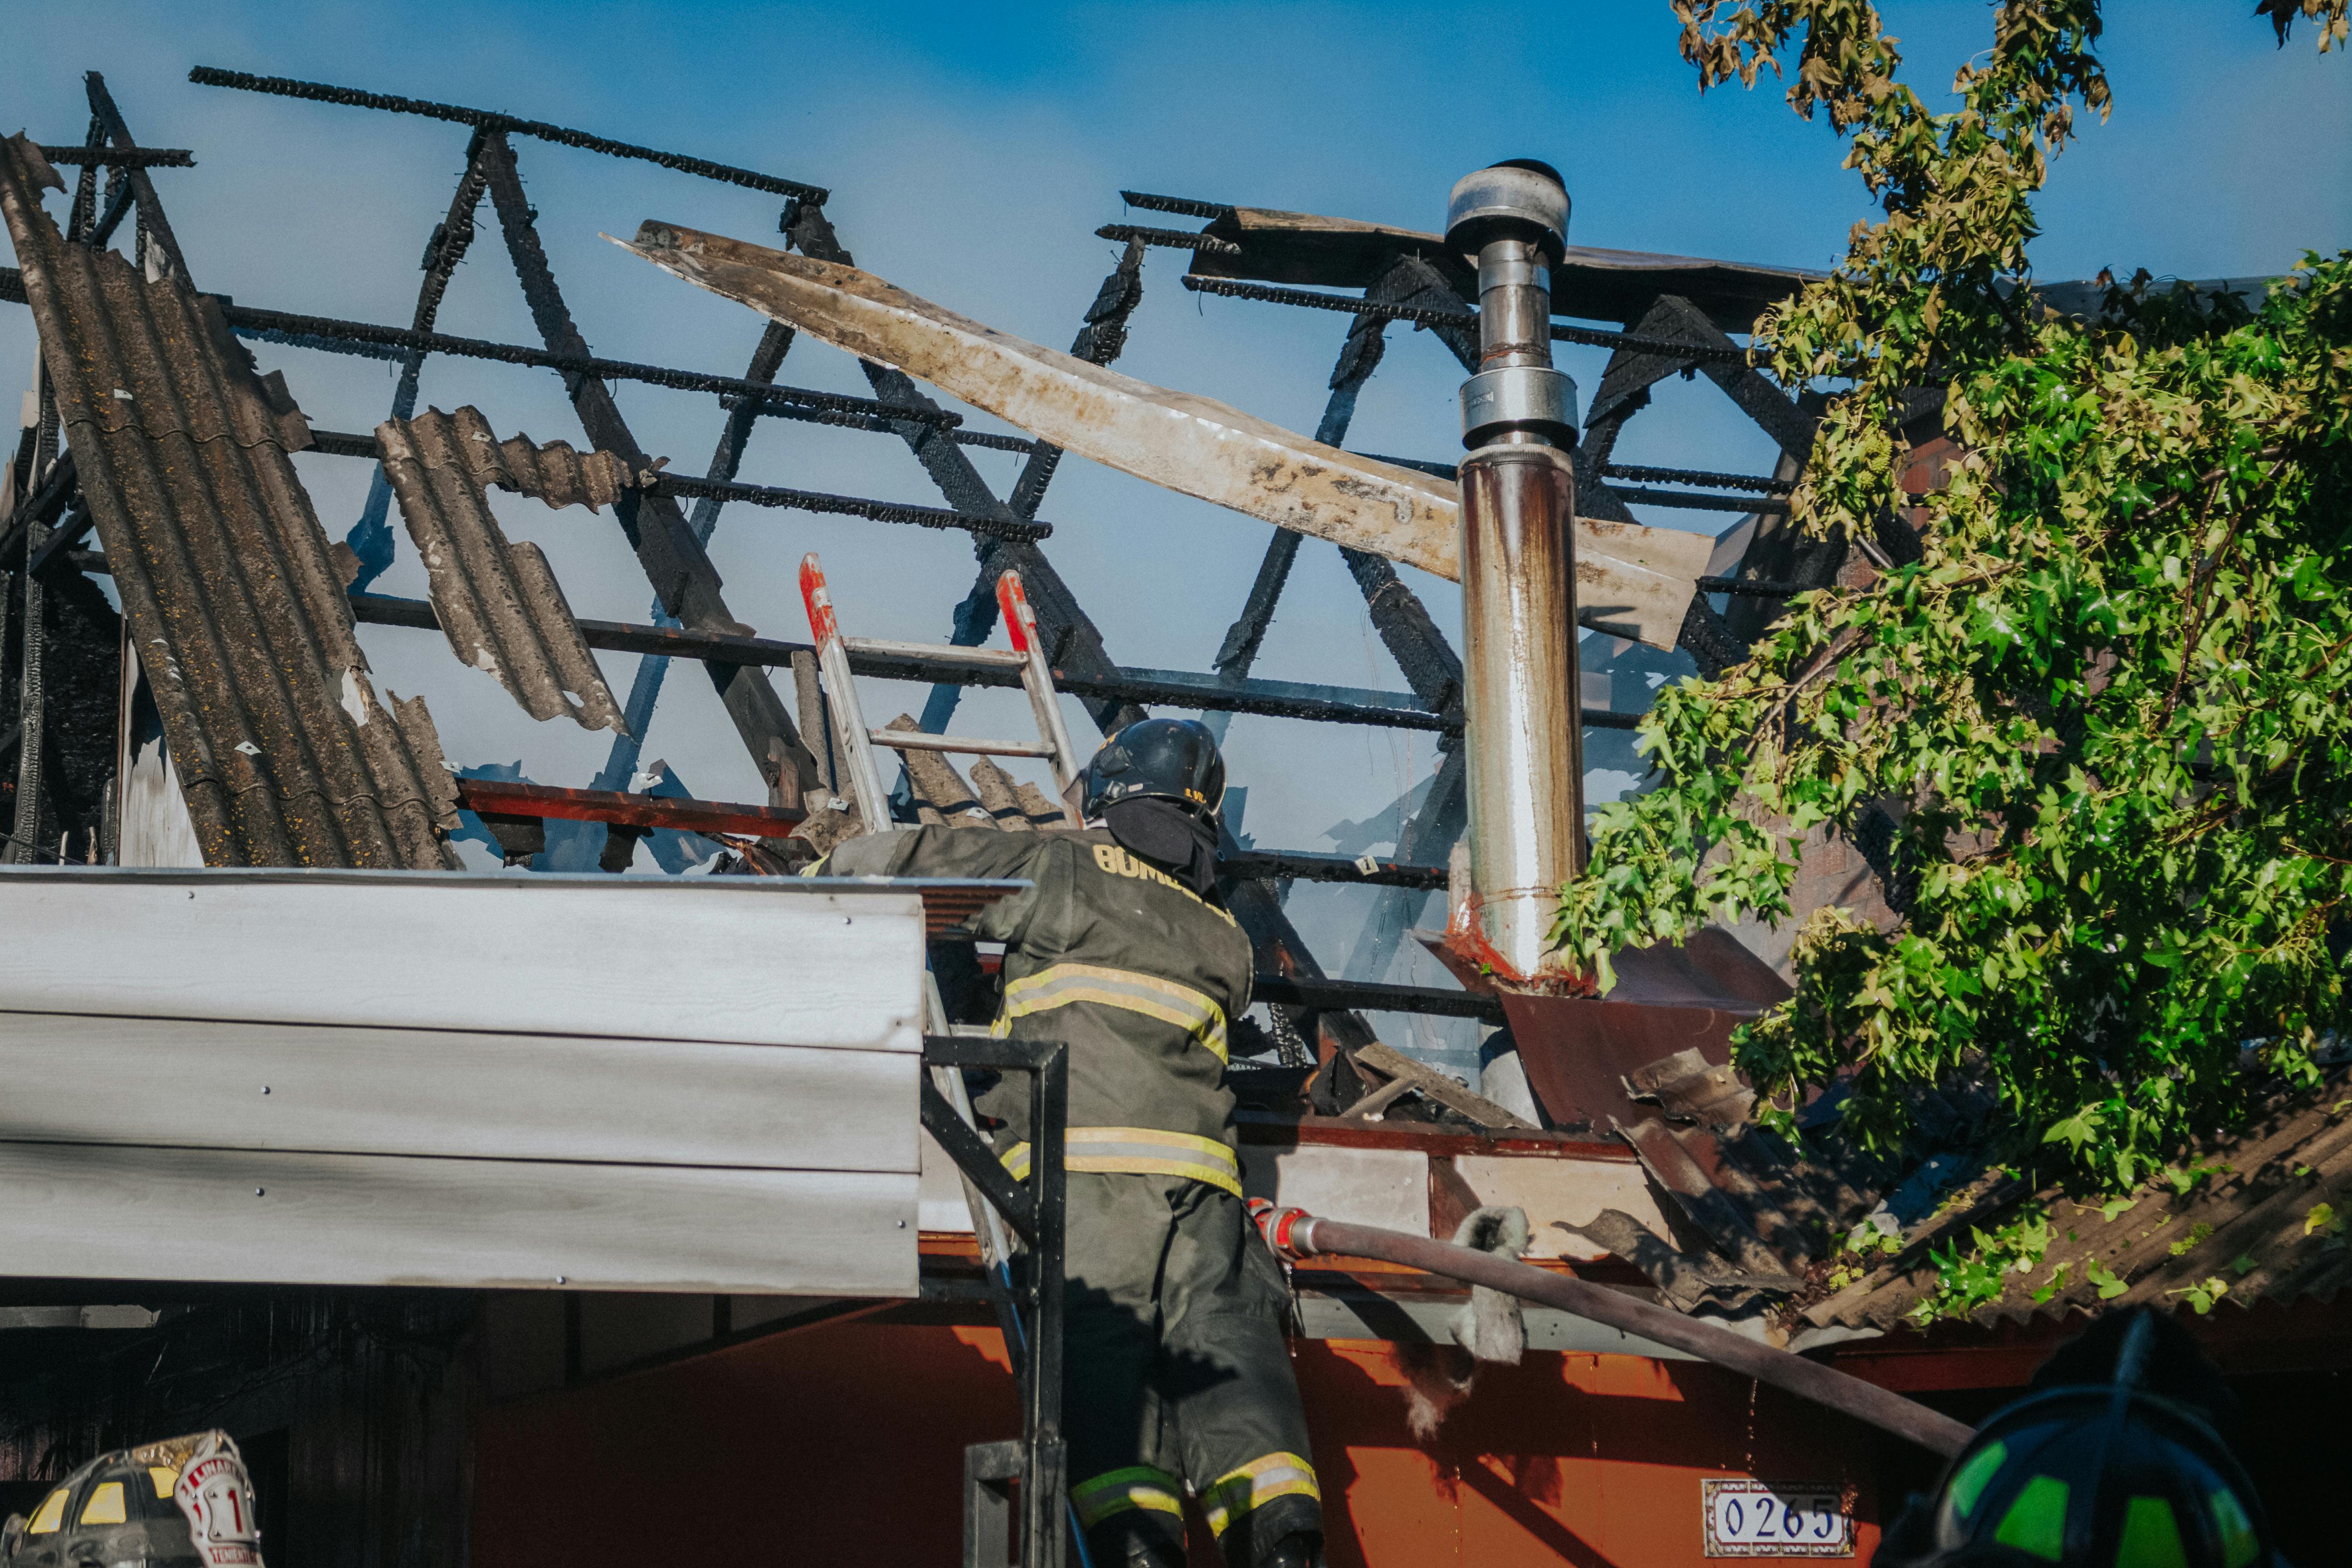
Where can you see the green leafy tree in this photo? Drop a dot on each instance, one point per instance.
(2110, 710)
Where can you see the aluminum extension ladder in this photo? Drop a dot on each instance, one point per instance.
(987, 1466)
(858, 740)
(1027, 656)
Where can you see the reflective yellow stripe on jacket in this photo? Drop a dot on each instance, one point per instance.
(1255, 1484)
(1139, 1151)
(1116, 1491)
(1165, 1000)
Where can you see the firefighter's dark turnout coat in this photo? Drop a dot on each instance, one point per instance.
(1177, 1368)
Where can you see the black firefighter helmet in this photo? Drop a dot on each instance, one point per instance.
(2088, 1476)
(1156, 759)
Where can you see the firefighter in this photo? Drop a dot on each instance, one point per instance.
(1179, 1373)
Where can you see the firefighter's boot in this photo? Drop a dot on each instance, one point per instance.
(1299, 1549)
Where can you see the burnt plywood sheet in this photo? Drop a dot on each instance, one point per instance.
(1638, 579)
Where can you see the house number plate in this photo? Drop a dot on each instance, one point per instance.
(1776, 1519)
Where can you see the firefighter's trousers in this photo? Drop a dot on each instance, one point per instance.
(1176, 1370)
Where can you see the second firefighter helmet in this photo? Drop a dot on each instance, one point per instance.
(1156, 759)
(2088, 1477)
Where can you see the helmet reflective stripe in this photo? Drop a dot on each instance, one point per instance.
(2240, 1544)
(2036, 1521)
(1255, 1484)
(2092, 1474)
(50, 1516)
(1970, 1484)
(1139, 1151)
(1065, 983)
(2151, 1536)
(1117, 1491)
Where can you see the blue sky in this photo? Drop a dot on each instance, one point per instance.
(973, 149)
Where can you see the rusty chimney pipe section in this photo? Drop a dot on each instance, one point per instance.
(1520, 687)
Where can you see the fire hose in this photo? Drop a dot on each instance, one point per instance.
(1296, 1235)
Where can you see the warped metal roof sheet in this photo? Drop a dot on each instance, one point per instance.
(1270, 247)
(284, 751)
(498, 601)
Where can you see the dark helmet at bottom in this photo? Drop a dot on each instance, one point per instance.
(1156, 759)
(2088, 1477)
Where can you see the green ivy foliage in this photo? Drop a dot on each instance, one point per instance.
(2110, 711)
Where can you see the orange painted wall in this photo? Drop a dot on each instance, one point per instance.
(843, 1444)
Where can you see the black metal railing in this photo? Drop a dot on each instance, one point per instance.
(1026, 1291)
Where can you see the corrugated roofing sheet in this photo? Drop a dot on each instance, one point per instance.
(2265, 1215)
(498, 601)
(285, 753)
(1753, 1222)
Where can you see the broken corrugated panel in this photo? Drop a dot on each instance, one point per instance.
(2267, 1215)
(1674, 1164)
(283, 751)
(498, 601)
(1018, 805)
(994, 798)
(555, 472)
(941, 797)
(1751, 1213)
(1687, 1084)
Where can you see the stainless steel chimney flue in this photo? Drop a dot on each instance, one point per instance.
(1520, 697)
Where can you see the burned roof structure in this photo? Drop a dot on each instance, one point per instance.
(503, 611)
(158, 439)
(341, 786)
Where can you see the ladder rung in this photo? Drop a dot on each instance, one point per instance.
(917, 740)
(937, 652)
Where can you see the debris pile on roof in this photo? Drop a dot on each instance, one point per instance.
(994, 798)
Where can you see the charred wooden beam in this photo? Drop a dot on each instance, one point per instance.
(680, 570)
(506, 124)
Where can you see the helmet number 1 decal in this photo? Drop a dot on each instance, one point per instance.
(1743, 1518)
(217, 1495)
